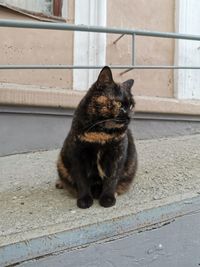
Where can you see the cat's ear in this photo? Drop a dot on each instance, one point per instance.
(127, 85)
(105, 76)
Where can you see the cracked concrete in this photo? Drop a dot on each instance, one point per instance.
(30, 206)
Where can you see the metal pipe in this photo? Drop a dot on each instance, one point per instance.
(84, 28)
(122, 35)
(70, 27)
(128, 67)
(133, 49)
(163, 67)
(125, 71)
(7, 67)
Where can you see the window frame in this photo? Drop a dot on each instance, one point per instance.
(57, 8)
(187, 82)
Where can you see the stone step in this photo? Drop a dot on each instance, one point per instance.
(36, 219)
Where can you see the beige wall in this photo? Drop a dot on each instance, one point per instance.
(29, 46)
(24, 46)
(155, 15)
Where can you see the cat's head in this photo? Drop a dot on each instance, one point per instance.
(110, 102)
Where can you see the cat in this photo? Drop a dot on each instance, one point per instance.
(98, 159)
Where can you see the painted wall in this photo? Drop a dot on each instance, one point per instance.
(152, 15)
(29, 46)
(24, 46)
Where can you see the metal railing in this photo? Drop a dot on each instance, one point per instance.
(83, 28)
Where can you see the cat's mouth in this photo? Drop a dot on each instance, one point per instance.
(114, 123)
(125, 120)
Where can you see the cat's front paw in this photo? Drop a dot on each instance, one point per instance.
(85, 202)
(107, 201)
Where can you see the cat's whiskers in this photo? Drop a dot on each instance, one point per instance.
(100, 122)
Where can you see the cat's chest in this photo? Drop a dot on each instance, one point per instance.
(95, 161)
(99, 165)
(98, 160)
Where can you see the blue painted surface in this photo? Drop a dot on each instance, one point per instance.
(176, 244)
(33, 248)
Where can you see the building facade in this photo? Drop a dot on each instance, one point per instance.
(157, 91)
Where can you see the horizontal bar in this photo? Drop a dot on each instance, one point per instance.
(84, 28)
(13, 67)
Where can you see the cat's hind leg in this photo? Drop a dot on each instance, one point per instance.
(60, 184)
(65, 181)
(123, 185)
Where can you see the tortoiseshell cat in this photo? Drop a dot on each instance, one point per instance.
(98, 158)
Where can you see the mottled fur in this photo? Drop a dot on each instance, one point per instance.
(98, 158)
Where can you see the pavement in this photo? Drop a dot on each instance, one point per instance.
(31, 207)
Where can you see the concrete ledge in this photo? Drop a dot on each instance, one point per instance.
(26, 95)
(27, 129)
(36, 219)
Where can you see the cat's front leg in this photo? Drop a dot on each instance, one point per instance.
(109, 165)
(107, 198)
(85, 199)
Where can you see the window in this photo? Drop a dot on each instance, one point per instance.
(48, 7)
(187, 52)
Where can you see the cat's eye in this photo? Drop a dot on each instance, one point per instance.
(118, 104)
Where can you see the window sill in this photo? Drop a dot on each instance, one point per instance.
(47, 97)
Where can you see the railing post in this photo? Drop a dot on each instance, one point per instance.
(133, 50)
(133, 60)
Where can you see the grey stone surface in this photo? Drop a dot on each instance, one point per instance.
(31, 129)
(176, 244)
(31, 132)
(30, 206)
